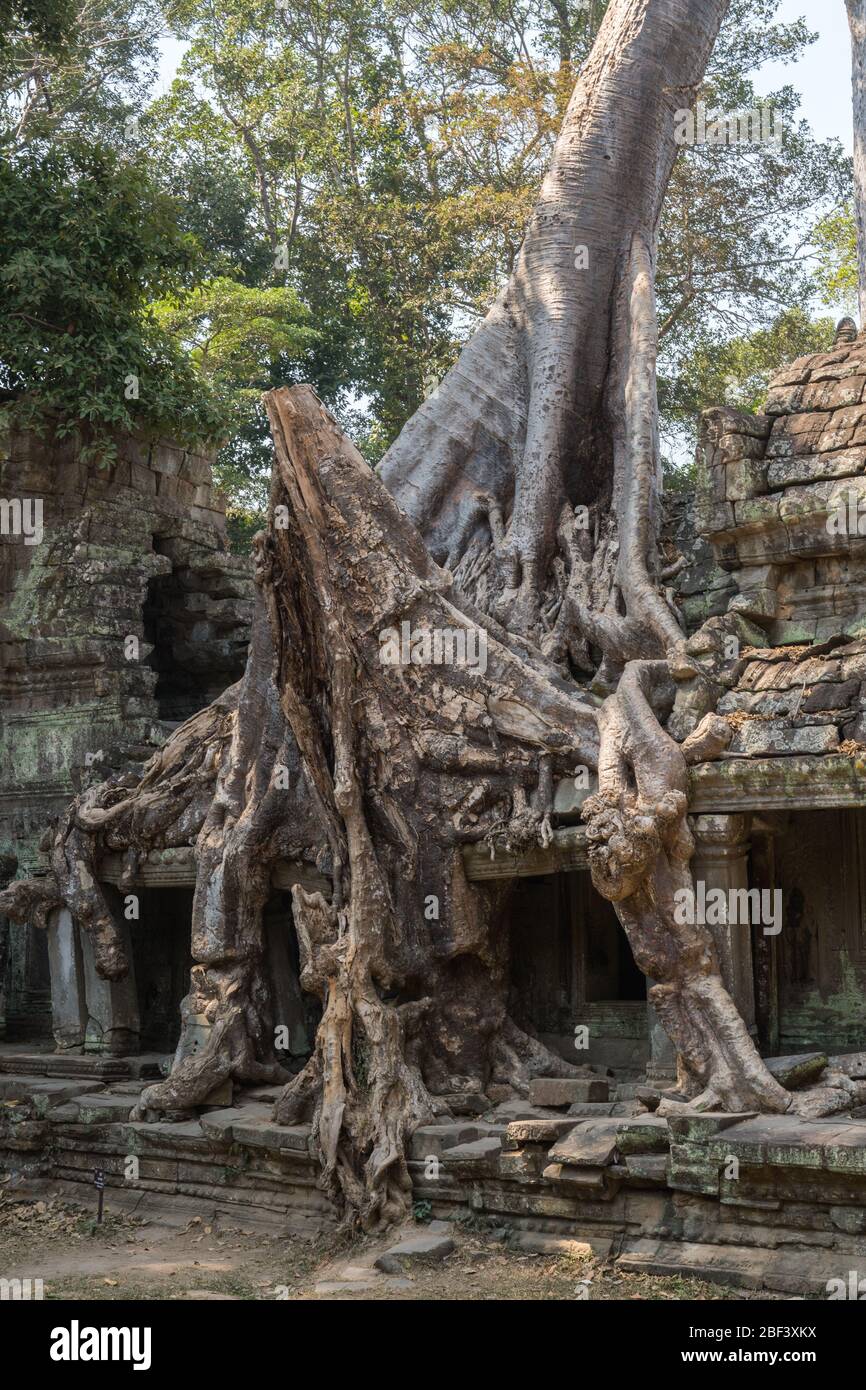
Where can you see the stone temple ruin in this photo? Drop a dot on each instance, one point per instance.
(131, 615)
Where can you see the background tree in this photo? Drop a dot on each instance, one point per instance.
(836, 275)
(857, 25)
(87, 243)
(77, 68)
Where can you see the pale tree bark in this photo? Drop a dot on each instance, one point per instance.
(389, 769)
(857, 25)
(525, 422)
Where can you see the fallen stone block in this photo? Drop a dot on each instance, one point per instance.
(65, 1114)
(721, 1264)
(44, 1093)
(853, 1064)
(537, 1131)
(435, 1139)
(851, 1220)
(478, 1151)
(140, 1136)
(845, 1152)
(149, 1066)
(102, 1110)
(793, 1072)
(265, 1134)
(84, 1066)
(643, 1134)
(567, 1090)
(581, 1182)
(693, 1126)
(775, 738)
(521, 1110)
(219, 1123)
(415, 1250)
(522, 1164)
(592, 1144)
(14, 1064)
(649, 1170)
(466, 1102)
(692, 1168)
(329, 1288)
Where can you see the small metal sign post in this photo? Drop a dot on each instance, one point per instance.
(99, 1184)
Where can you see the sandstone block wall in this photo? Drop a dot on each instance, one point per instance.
(128, 615)
(769, 492)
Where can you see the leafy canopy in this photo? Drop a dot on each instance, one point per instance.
(86, 242)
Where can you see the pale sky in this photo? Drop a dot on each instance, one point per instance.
(822, 76)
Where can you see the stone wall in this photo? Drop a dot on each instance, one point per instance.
(702, 588)
(769, 492)
(128, 615)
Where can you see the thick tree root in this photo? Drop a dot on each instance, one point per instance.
(640, 847)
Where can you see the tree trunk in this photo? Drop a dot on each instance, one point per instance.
(857, 25)
(528, 420)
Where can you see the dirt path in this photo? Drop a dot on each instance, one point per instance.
(148, 1257)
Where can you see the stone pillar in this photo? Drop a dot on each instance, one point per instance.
(68, 1009)
(112, 1005)
(8, 867)
(4, 956)
(288, 1003)
(662, 1064)
(721, 860)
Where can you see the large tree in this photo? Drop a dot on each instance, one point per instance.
(518, 509)
(857, 25)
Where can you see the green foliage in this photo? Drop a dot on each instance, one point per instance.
(241, 525)
(836, 277)
(46, 22)
(75, 68)
(86, 242)
(738, 372)
(233, 332)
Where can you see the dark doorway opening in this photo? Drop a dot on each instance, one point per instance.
(181, 687)
(161, 950)
(296, 1014)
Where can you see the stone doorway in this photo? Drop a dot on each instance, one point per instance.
(572, 967)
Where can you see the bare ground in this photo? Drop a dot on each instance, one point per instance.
(151, 1257)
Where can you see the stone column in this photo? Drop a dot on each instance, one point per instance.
(68, 1009)
(8, 866)
(112, 1005)
(662, 1064)
(721, 860)
(4, 956)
